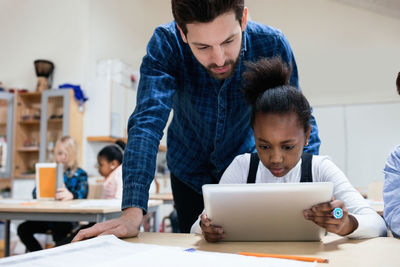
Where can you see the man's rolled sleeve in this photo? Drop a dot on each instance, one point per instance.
(146, 124)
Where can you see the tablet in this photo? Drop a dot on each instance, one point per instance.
(265, 212)
(46, 174)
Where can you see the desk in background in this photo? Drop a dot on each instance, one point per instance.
(340, 251)
(72, 211)
(166, 198)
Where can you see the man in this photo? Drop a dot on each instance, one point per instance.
(193, 65)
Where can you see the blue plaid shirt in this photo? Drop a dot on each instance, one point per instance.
(76, 183)
(211, 118)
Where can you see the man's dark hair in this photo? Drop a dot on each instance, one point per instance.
(267, 90)
(189, 11)
(398, 83)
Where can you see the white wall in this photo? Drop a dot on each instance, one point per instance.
(47, 29)
(344, 54)
(359, 138)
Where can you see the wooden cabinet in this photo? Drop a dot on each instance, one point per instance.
(26, 134)
(39, 120)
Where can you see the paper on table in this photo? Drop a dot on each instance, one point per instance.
(110, 251)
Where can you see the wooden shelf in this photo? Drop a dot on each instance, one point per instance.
(55, 120)
(110, 139)
(28, 149)
(31, 94)
(29, 122)
(25, 176)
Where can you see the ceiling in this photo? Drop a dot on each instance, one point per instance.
(385, 7)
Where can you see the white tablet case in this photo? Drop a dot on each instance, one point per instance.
(266, 212)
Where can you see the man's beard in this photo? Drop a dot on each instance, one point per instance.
(225, 75)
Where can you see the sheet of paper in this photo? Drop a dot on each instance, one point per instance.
(110, 251)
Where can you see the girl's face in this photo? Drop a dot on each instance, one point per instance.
(61, 155)
(280, 140)
(106, 167)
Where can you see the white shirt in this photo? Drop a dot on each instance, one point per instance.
(370, 224)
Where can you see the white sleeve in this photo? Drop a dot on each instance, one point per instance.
(237, 171)
(196, 229)
(370, 224)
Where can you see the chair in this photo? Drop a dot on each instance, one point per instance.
(375, 190)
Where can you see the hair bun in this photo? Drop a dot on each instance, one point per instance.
(121, 144)
(264, 74)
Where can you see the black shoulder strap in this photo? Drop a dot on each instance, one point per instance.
(254, 160)
(306, 173)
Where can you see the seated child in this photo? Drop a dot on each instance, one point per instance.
(280, 120)
(76, 187)
(391, 187)
(109, 160)
(110, 166)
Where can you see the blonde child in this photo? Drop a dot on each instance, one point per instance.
(76, 187)
(280, 121)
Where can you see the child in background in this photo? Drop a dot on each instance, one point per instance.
(391, 187)
(280, 121)
(109, 161)
(76, 187)
(110, 166)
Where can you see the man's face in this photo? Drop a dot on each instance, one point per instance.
(216, 44)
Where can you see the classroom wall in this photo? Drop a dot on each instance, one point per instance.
(359, 138)
(345, 55)
(53, 30)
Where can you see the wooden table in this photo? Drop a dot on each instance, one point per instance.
(59, 211)
(382, 251)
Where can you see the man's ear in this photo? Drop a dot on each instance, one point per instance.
(244, 19)
(182, 34)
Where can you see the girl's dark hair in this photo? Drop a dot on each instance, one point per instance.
(189, 11)
(113, 152)
(267, 90)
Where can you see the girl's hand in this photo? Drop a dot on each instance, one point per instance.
(212, 233)
(63, 194)
(321, 214)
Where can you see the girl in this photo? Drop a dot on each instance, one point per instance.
(280, 121)
(76, 187)
(109, 161)
(110, 166)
